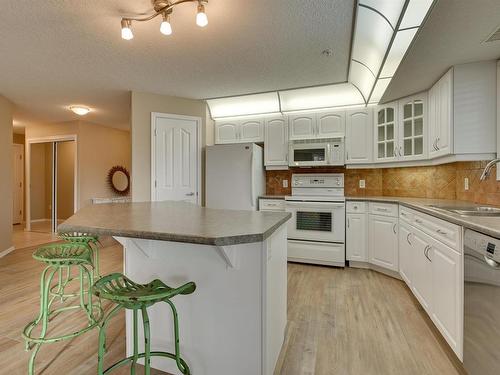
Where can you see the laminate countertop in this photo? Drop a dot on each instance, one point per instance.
(489, 225)
(175, 221)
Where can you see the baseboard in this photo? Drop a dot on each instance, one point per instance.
(366, 265)
(39, 220)
(5, 252)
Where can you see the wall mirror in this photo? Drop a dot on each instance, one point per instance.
(119, 180)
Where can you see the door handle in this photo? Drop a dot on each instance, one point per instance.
(491, 262)
(426, 253)
(189, 194)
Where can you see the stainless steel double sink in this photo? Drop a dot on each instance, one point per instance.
(470, 210)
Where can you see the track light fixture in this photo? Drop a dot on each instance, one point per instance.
(164, 8)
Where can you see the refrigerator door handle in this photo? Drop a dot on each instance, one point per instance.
(252, 187)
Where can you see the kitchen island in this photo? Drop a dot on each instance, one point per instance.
(235, 321)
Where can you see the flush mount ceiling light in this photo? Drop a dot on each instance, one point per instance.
(165, 9)
(80, 110)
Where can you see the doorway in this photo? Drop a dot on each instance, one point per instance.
(175, 158)
(52, 189)
(17, 183)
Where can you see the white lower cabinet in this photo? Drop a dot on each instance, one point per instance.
(356, 238)
(433, 271)
(447, 302)
(383, 241)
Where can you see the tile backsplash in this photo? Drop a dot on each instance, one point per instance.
(444, 181)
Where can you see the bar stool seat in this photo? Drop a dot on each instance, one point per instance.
(133, 296)
(58, 257)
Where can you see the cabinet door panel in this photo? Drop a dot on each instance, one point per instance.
(276, 141)
(331, 124)
(386, 133)
(422, 269)
(359, 137)
(413, 128)
(383, 245)
(251, 131)
(302, 126)
(356, 237)
(226, 132)
(405, 254)
(447, 292)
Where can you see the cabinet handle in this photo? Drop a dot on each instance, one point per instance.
(347, 155)
(426, 253)
(434, 145)
(399, 151)
(418, 221)
(394, 228)
(348, 223)
(408, 239)
(381, 209)
(437, 144)
(441, 232)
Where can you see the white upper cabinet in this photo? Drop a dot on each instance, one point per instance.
(359, 133)
(386, 132)
(226, 132)
(441, 117)
(239, 131)
(302, 126)
(317, 125)
(252, 130)
(412, 127)
(276, 141)
(330, 124)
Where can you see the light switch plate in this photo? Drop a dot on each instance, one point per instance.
(362, 184)
(285, 183)
(466, 183)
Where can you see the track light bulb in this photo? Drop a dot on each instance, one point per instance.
(165, 27)
(127, 33)
(201, 16)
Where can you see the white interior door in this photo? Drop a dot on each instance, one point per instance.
(18, 184)
(175, 158)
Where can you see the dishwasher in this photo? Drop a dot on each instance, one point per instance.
(481, 304)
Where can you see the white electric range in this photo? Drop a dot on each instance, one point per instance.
(316, 231)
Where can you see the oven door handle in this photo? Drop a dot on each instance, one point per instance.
(310, 204)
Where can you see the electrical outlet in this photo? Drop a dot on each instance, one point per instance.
(362, 184)
(285, 183)
(466, 183)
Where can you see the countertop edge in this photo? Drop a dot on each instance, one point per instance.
(433, 212)
(172, 237)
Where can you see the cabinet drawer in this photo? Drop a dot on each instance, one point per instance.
(271, 204)
(384, 209)
(440, 230)
(316, 252)
(406, 214)
(356, 207)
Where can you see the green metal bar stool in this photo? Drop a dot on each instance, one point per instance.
(89, 240)
(57, 256)
(132, 296)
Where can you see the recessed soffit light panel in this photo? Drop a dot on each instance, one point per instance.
(415, 13)
(244, 105)
(379, 46)
(391, 9)
(80, 109)
(379, 90)
(343, 94)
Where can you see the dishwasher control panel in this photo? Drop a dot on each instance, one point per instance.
(483, 244)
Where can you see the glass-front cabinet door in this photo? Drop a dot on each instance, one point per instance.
(386, 145)
(412, 127)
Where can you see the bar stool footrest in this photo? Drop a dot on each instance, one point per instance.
(142, 355)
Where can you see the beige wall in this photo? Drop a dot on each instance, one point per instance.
(6, 109)
(18, 138)
(142, 104)
(98, 148)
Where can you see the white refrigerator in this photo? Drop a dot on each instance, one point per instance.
(235, 176)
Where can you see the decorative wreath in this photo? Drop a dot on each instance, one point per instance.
(111, 173)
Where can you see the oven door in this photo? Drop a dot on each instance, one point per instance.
(309, 154)
(316, 221)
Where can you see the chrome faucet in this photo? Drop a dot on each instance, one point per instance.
(487, 169)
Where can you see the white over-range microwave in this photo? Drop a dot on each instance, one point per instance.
(316, 152)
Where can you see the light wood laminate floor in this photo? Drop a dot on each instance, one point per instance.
(345, 322)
